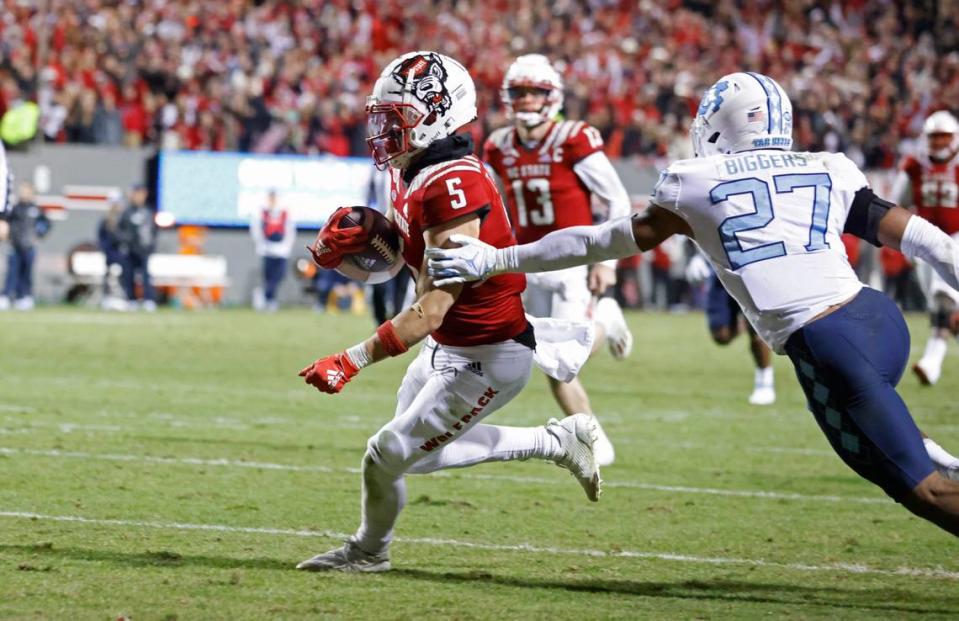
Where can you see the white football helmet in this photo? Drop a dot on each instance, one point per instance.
(742, 111)
(941, 122)
(419, 98)
(533, 71)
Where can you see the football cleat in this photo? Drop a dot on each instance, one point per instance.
(347, 558)
(925, 373)
(603, 448)
(763, 395)
(577, 435)
(609, 315)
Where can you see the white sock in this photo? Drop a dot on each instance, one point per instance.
(485, 443)
(940, 456)
(763, 378)
(384, 496)
(935, 351)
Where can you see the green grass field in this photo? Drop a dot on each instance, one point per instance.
(172, 466)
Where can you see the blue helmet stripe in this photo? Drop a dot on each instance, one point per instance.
(774, 107)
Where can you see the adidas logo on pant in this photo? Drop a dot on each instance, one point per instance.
(475, 367)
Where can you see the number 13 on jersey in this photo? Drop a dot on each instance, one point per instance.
(540, 214)
(764, 214)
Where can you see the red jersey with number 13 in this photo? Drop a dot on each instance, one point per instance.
(543, 191)
(935, 190)
(488, 311)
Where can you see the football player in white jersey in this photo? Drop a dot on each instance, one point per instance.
(770, 221)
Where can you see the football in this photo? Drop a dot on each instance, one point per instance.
(383, 251)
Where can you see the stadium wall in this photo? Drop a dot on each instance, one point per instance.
(73, 182)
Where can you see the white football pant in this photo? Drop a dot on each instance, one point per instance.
(445, 394)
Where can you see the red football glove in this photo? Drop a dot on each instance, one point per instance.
(330, 374)
(333, 242)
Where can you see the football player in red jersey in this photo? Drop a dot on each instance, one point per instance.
(552, 170)
(929, 183)
(479, 346)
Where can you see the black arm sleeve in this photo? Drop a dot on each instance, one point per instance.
(864, 216)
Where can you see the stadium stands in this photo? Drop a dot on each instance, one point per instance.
(280, 76)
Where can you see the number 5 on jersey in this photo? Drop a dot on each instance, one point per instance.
(456, 192)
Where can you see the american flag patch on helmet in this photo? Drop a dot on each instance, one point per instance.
(757, 115)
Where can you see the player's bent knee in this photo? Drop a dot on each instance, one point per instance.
(387, 450)
(723, 336)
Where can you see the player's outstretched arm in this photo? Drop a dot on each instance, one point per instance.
(396, 336)
(576, 245)
(918, 238)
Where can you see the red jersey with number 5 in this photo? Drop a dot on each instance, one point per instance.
(488, 311)
(935, 190)
(543, 191)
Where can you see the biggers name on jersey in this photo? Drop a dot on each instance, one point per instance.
(763, 161)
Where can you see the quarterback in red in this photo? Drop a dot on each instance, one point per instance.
(478, 346)
(929, 183)
(552, 170)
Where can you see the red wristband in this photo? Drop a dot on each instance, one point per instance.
(391, 341)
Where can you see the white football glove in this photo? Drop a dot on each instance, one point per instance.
(473, 260)
(698, 270)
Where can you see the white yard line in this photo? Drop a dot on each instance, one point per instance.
(171, 461)
(842, 568)
(233, 463)
(138, 320)
(329, 423)
(682, 489)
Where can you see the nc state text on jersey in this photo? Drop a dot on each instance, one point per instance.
(528, 170)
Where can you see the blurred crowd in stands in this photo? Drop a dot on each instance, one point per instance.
(291, 76)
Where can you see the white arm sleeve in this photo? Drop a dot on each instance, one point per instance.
(923, 240)
(902, 190)
(597, 173)
(576, 245)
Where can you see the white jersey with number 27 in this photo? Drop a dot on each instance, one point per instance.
(770, 222)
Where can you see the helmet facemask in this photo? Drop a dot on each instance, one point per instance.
(388, 128)
(532, 118)
(941, 145)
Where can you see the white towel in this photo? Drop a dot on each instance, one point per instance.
(562, 345)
